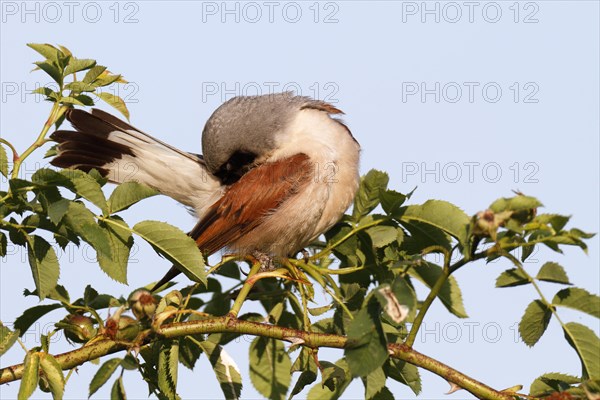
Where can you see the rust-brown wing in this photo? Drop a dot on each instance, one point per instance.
(259, 192)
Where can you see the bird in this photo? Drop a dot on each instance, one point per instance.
(276, 170)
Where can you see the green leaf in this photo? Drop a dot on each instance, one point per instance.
(31, 315)
(3, 244)
(84, 99)
(82, 222)
(44, 264)
(270, 367)
(374, 383)
(405, 373)
(93, 73)
(3, 162)
(116, 102)
(168, 360)
(127, 194)
(51, 69)
(512, 277)
(587, 345)
(405, 294)
(517, 203)
(30, 377)
(391, 201)
(54, 375)
(534, 322)
(175, 246)
(306, 378)
(336, 378)
(442, 215)
(7, 338)
(103, 374)
(367, 347)
(120, 241)
(80, 87)
(87, 187)
(391, 305)
(382, 235)
(384, 394)
(78, 64)
(578, 299)
(226, 370)
(57, 210)
(551, 382)
(553, 272)
(367, 197)
(46, 50)
(117, 391)
(450, 293)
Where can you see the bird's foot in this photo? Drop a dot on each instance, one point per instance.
(265, 260)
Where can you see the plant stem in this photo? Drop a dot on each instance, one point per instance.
(435, 290)
(56, 112)
(230, 324)
(347, 236)
(12, 148)
(239, 300)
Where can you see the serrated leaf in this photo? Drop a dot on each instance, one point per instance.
(7, 338)
(305, 378)
(270, 367)
(116, 102)
(3, 162)
(103, 374)
(175, 246)
(168, 360)
(517, 203)
(578, 299)
(117, 392)
(78, 64)
(57, 210)
(336, 378)
(31, 315)
(405, 373)
(78, 86)
(120, 241)
(30, 377)
(551, 382)
(84, 99)
(46, 50)
(553, 272)
(382, 235)
(51, 368)
(82, 222)
(87, 187)
(106, 79)
(93, 73)
(367, 346)
(51, 69)
(587, 345)
(127, 194)
(534, 322)
(391, 201)
(367, 197)
(450, 293)
(226, 370)
(44, 264)
(374, 383)
(512, 277)
(442, 215)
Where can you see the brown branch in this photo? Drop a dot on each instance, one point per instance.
(229, 324)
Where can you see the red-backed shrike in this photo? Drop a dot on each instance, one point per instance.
(276, 172)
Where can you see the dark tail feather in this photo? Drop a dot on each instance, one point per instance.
(172, 273)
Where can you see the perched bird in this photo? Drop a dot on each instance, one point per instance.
(276, 171)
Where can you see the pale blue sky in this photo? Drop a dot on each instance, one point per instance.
(517, 108)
